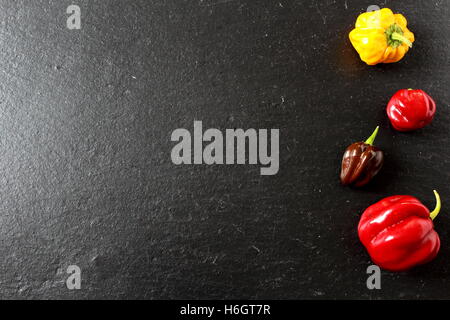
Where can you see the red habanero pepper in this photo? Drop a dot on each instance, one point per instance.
(410, 109)
(398, 232)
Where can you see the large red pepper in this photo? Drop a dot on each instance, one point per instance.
(398, 232)
(410, 109)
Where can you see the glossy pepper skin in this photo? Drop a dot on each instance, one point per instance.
(381, 37)
(361, 162)
(410, 109)
(398, 232)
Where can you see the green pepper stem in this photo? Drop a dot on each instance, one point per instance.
(373, 136)
(436, 210)
(399, 37)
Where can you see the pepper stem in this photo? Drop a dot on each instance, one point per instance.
(399, 37)
(373, 136)
(436, 210)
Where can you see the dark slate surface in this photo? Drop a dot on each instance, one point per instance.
(86, 175)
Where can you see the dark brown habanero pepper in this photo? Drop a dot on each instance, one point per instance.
(361, 162)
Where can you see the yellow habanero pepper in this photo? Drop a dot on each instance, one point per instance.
(381, 37)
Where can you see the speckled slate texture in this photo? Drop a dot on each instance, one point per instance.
(86, 176)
